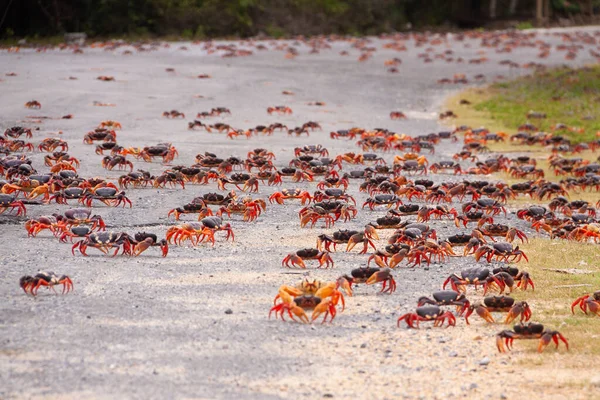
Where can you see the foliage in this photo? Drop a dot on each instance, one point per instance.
(565, 95)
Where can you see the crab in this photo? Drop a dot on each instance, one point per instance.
(333, 180)
(447, 298)
(343, 133)
(164, 150)
(413, 166)
(388, 200)
(530, 330)
(109, 162)
(107, 195)
(250, 182)
(279, 110)
(351, 238)
(465, 155)
(369, 276)
(36, 105)
(137, 179)
(295, 301)
(143, 241)
(428, 313)
(333, 194)
(35, 226)
(79, 216)
(216, 198)
(468, 241)
(8, 201)
(75, 232)
(198, 124)
(17, 131)
(585, 232)
(297, 258)
(490, 304)
(425, 213)
(501, 251)
(322, 210)
(113, 147)
(286, 194)
(532, 213)
(197, 232)
(31, 284)
(397, 115)
(173, 178)
(588, 301)
(173, 114)
(194, 207)
(525, 171)
(51, 144)
(392, 255)
(475, 276)
(388, 222)
(446, 166)
(250, 209)
(100, 134)
(311, 149)
(110, 124)
(60, 156)
(502, 230)
(104, 241)
(489, 206)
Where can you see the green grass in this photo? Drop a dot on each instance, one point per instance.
(555, 291)
(565, 95)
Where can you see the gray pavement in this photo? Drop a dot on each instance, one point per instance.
(150, 327)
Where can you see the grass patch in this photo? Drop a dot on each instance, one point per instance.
(555, 291)
(565, 95)
(503, 107)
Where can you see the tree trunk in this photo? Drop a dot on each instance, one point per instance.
(512, 9)
(492, 9)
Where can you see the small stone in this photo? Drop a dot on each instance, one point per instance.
(477, 337)
(503, 396)
(453, 354)
(363, 346)
(229, 311)
(89, 317)
(484, 361)
(155, 372)
(473, 386)
(595, 381)
(328, 395)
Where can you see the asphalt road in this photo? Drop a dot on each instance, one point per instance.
(150, 327)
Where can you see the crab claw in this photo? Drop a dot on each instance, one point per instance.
(142, 246)
(482, 311)
(581, 301)
(294, 260)
(324, 307)
(346, 285)
(371, 232)
(518, 309)
(384, 276)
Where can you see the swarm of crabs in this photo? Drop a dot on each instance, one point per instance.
(403, 193)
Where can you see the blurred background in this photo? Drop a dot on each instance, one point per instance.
(199, 19)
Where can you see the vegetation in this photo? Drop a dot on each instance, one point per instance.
(226, 18)
(563, 271)
(565, 95)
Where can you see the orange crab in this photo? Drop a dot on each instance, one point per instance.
(321, 297)
(33, 104)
